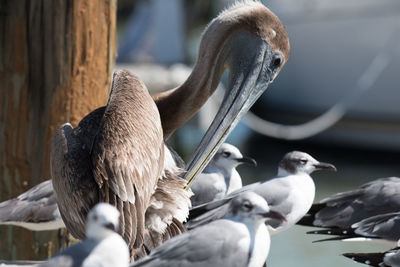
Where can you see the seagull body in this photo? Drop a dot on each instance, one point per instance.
(241, 239)
(368, 213)
(35, 209)
(380, 259)
(344, 209)
(383, 228)
(392, 258)
(291, 192)
(220, 177)
(103, 246)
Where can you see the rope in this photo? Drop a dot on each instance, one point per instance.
(335, 113)
(327, 119)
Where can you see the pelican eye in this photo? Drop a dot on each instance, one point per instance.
(226, 154)
(277, 60)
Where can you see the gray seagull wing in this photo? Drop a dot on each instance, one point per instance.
(207, 187)
(274, 191)
(392, 257)
(194, 248)
(37, 205)
(384, 226)
(72, 256)
(373, 198)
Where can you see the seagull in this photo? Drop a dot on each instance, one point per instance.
(220, 177)
(240, 239)
(383, 228)
(291, 192)
(351, 214)
(35, 209)
(380, 259)
(102, 247)
(346, 208)
(118, 153)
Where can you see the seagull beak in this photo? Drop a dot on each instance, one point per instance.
(248, 161)
(275, 215)
(325, 166)
(253, 65)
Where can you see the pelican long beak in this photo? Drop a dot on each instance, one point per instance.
(252, 67)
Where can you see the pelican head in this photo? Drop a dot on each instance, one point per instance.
(253, 44)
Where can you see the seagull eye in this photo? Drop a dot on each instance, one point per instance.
(95, 218)
(248, 206)
(303, 161)
(226, 154)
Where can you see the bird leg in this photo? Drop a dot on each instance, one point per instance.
(60, 239)
(67, 238)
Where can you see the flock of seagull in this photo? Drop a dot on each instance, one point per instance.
(121, 189)
(230, 225)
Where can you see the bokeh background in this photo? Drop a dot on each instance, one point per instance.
(344, 66)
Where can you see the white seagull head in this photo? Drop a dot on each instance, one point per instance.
(297, 162)
(229, 157)
(251, 207)
(102, 221)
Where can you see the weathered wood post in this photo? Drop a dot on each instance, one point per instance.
(56, 59)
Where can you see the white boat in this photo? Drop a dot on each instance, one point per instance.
(342, 51)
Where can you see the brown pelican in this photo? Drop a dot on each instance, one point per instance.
(117, 153)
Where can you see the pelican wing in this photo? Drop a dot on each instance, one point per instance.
(128, 153)
(70, 164)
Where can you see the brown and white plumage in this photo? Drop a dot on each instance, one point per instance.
(121, 160)
(117, 153)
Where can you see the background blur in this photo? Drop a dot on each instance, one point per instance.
(337, 97)
(344, 53)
